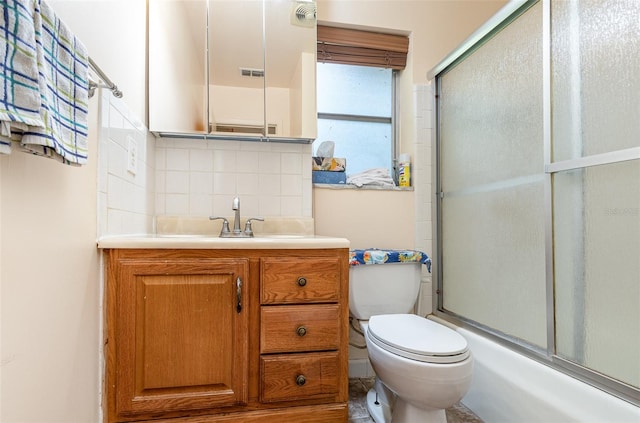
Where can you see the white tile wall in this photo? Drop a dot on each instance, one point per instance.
(197, 178)
(125, 200)
(423, 100)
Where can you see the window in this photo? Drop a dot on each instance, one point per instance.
(356, 77)
(355, 110)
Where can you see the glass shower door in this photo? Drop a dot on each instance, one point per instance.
(492, 184)
(538, 141)
(595, 58)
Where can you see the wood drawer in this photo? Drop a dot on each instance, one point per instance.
(299, 376)
(298, 328)
(296, 280)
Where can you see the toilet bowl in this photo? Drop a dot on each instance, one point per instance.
(422, 367)
(426, 366)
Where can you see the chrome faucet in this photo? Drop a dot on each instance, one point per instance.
(236, 232)
(236, 219)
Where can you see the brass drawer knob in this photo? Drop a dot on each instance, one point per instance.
(301, 331)
(301, 380)
(302, 281)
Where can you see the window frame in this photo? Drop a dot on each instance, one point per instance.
(393, 120)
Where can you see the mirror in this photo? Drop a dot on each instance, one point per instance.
(261, 72)
(257, 58)
(290, 63)
(178, 100)
(236, 67)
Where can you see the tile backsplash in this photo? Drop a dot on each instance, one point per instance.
(192, 178)
(196, 178)
(125, 195)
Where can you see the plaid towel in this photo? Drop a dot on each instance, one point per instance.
(19, 87)
(62, 63)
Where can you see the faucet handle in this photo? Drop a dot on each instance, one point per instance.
(225, 224)
(248, 230)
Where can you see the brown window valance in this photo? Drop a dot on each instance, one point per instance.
(364, 48)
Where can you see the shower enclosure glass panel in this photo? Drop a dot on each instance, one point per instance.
(597, 268)
(595, 57)
(538, 164)
(493, 260)
(595, 63)
(492, 183)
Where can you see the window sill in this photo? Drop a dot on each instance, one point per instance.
(364, 187)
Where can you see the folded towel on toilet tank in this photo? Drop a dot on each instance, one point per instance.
(379, 256)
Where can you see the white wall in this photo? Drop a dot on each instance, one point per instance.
(49, 288)
(50, 218)
(50, 276)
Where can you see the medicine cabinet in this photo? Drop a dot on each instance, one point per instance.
(233, 69)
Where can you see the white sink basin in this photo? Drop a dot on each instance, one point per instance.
(263, 236)
(283, 236)
(185, 236)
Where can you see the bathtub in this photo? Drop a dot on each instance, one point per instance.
(509, 387)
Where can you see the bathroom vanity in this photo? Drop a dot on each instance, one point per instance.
(226, 330)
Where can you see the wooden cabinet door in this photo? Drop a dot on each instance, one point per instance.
(182, 332)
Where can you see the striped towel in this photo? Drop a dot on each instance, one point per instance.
(19, 87)
(62, 84)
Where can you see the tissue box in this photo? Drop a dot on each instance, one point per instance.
(332, 164)
(328, 177)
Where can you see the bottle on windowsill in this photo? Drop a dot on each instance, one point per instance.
(404, 170)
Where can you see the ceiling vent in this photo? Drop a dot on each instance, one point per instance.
(303, 13)
(256, 73)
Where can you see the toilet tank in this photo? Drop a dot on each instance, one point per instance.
(389, 288)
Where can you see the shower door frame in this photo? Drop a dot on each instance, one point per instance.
(508, 14)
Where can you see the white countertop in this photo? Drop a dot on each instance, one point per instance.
(214, 242)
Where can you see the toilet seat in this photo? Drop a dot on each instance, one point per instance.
(416, 338)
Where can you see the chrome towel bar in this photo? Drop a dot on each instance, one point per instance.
(107, 82)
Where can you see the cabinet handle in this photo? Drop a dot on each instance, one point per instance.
(302, 281)
(302, 331)
(239, 294)
(301, 380)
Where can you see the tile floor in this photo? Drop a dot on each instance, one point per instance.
(358, 409)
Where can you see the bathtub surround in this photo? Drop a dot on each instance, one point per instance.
(509, 387)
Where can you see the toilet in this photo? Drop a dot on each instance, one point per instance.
(422, 367)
